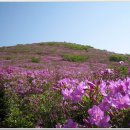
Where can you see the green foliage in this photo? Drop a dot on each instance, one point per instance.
(68, 45)
(120, 71)
(77, 46)
(117, 58)
(17, 119)
(75, 58)
(49, 110)
(35, 60)
(18, 115)
(121, 119)
(123, 70)
(52, 43)
(19, 48)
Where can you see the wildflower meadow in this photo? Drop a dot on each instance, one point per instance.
(43, 89)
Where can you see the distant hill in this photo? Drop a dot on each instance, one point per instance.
(54, 54)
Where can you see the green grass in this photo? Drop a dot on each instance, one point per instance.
(117, 58)
(74, 58)
(77, 46)
(73, 46)
(35, 60)
(51, 43)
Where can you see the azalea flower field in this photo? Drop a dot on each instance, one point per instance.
(65, 97)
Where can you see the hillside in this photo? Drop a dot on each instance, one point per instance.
(53, 55)
(63, 85)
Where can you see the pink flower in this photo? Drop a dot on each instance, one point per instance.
(119, 101)
(104, 105)
(121, 62)
(97, 117)
(96, 114)
(104, 122)
(103, 88)
(58, 125)
(90, 84)
(67, 93)
(71, 124)
(107, 71)
(82, 85)
(73, 92)
(77, 95)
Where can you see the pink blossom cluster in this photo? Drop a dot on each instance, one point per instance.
(73, 89)
(24, 81)
(115, 95)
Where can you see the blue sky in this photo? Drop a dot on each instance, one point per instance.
(103, 25)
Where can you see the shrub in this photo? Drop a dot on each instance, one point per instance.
(16, 119)
(123, 70)
(118, 58)
(35, 60)
(8, 58)
(49, 107)
(75, 58)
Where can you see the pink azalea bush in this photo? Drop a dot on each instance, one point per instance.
(40, 98)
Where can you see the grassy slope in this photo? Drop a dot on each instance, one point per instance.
(51, 54)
